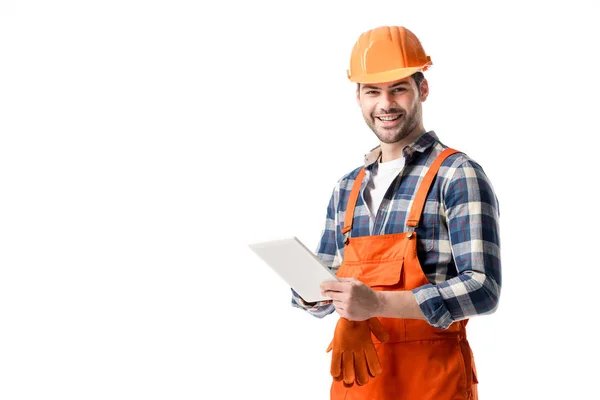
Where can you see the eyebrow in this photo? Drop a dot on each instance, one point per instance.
(395, 85)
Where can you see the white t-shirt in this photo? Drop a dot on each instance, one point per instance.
(379, 183)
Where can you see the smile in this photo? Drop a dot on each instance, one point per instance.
(388, 118)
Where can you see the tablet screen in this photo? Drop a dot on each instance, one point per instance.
(299, 267)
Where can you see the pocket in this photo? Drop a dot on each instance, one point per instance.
(374, 273)
(348, 271)
(469, 365)
(473, 369)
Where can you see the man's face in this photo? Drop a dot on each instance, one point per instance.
(392, 110)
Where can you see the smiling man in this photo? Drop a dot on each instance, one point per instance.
(414, 236)
(393, 110)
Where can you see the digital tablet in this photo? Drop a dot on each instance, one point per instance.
(299, 267)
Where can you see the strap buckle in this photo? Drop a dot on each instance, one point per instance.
(410, 230)
(346, 237)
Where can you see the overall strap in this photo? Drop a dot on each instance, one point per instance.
(419, 200)
(352, 204)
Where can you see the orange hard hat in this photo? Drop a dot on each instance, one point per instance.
(386, 54)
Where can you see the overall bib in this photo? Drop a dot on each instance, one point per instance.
(419, 361)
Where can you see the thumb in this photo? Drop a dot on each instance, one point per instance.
(378, 330)
(330, 347)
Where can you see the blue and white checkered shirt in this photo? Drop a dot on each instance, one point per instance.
(458, 235)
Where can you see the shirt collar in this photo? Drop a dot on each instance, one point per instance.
(421, 144)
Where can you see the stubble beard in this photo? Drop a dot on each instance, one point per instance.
(401, 132)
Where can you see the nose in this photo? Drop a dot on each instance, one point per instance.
(386, 100)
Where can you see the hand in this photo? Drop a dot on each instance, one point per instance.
(354, 358)
(353, 299)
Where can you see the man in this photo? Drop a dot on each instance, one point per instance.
(414, 236)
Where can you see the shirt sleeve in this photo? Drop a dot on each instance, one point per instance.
(472, 218)
(328, 254)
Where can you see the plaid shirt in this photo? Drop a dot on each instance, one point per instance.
(458, 236)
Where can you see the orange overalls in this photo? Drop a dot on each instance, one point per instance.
(419, 362)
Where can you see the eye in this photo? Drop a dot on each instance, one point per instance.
(399, 90)
(371, 92)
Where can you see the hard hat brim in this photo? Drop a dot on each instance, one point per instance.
(384, 77)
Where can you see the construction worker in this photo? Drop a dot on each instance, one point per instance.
(414, 236)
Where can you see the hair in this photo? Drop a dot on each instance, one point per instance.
(418, 77)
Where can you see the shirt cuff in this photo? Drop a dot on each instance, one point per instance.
(319, 309)
(433, 306)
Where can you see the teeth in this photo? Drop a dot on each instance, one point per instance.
(389, 118)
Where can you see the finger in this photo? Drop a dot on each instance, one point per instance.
(378, 330)
(373, 361)
(330, 286)
(339, 304)
(360, 369)
(335, 286)
(332, 295)
(336, 365)
(348, 367)
(342, 313)
(329, 347)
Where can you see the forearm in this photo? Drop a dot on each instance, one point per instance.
(472, 224)
(410, 304)
(399, 304)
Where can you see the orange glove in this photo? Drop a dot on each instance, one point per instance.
(354, 357)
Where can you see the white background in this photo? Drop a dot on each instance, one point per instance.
(144, 144)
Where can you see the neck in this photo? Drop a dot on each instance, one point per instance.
(392, 151)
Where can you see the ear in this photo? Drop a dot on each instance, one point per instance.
(424, 90)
